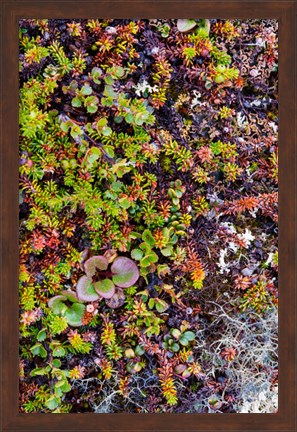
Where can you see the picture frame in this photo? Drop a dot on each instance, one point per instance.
(285, 13)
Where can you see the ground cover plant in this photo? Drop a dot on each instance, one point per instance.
(148, 216)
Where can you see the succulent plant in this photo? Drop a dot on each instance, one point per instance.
(176, 338)
(101, 282)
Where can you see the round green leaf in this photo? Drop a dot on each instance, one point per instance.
(86, 90)
(52, 402)
(136, 254)
(38, 350)
(161, 305)
(189, 335)
(184, 341)
(148, 238)
(76, 102)
(125, 272)
(139, 350)
(75, 313)
(174, 347)
(59, 351)
(57, 305)
(85, 290)
(105, 288)
(41, 335)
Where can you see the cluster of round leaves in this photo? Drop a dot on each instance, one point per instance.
(99, 282)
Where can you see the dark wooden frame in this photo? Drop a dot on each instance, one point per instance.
(285, 12)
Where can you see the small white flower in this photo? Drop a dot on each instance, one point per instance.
(90, 308)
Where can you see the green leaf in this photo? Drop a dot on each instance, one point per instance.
(145, 261)
(108, 150)
(125, 272)
(118, 71)
(86, 90)
(189, 335)
(184, 341)
(63, 385)
(85, 290)
(75, 131)
(71, 295)
(41, 335)
(38, 350)
(109, 79)
(161, 306)
(106, 131)
(153, 257)
(139, 350)
(101, 123)
(125, 203)
(175, 333)
(91, 103)
(166, 251)
(109, 92)
(151, 303)
(76, 102)
(65, 126)
(105, 288)
(148, 238)
(57, 305)
(56, 363)
(38, 371)
(174, 347)
(162, 270)
(52, 402)
(129, 118)
(136, 254)
(59, 351)
(75, 313)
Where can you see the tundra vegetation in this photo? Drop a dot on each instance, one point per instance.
(148, 216)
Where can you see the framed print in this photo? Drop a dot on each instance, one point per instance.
(148, 192)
